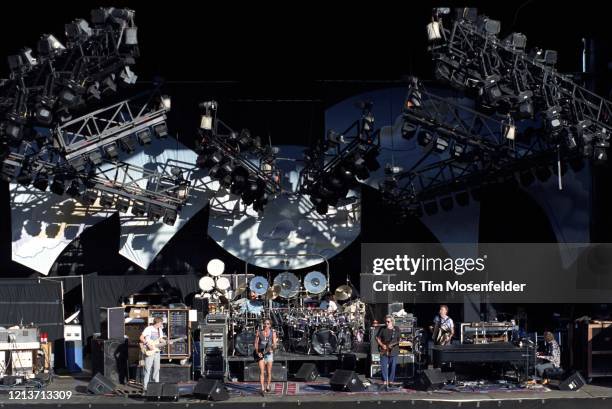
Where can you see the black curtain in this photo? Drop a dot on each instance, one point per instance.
(107, 291)
(36, 301)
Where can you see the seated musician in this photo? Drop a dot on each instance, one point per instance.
(253, 306)
(388, 345)
(443, 328)
(329, 304)
(551, 358)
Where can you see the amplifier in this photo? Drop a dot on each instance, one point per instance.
(23, 335)
(216, 319)
(213, 353)
(112, 322)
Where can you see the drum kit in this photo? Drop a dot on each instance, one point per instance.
(305, 325)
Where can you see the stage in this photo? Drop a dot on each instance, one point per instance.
(318, 394)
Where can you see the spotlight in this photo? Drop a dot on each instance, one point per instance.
(41, 182)
(74, 189)
(58, 186)
(139, 208)
(166, 102)
(434, 31)
(335, 138)
(111, 151)
(408, 130)
(161, 130)
(170, 216)
(68, 97)
(95, 157)
(488, 26)
(518, 41)
(14, 132)
(509, 131)
(553, 119)
(43, 114)
(78, 163)
(492, 92)
(600, 151)
(441, 144)
(127, 144)
(144, 136)
(425, 138)
(107, 200)
(78, 30)
(155, 213)
(122, 204)
(458, 150)
(127, 75)
(49, 46)
(89, 197)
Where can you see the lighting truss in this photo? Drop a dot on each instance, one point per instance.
(477, 150)
(335, 164)
(508, 78)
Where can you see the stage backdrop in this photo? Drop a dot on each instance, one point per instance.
(107, 291)
(33, 301)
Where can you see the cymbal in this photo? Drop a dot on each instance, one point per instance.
(273, 292)
(315, 282)
(259, 285)
(343, 292)
(289, 283)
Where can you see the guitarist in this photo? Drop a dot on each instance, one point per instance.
(265, 343)
(152, 333)
(388, 345)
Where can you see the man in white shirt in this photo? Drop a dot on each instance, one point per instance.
(329, 304)
(148, 338)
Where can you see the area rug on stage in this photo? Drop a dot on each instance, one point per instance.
(324, 388)
(494, 387)
(252, 388)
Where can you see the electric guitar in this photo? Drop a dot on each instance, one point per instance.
(154, 346)
(389, 347)
(267, 349)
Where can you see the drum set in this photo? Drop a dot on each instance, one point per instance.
(307, 317)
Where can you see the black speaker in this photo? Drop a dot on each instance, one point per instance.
(154, 391)
(100, 385)
(112, 323)
(170, 392)
(308, 372)
(346, 381)
(210, 389)
(433, 379)
(572, 383)
(110, 358)
(251, 372)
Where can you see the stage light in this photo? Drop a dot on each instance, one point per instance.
(131, 36)
(161, 130)
(170, 216)
(74, 189)
(425, 138)
(41, 181)
(458, 150)
(155, 213)
(509, 131)
(89, 197)
(127, 75)
(600, 151)
(95, 157)
(335, 137)
(144, 136)
(408, 130)
(139, 208)
(22, 61)
(14, 132)
(49, 46)
(109, 86)
(166, 102)
(122, 204)
(518, 41)
(368, 122)
(99, 15)
(488, 26)
(43, 114)
(58, 186)
(206, 122)
(78, 163)
(127, 143)
(434, 32)
(78, 30)
(107, 200)
(553, 119)
(492, 92)
(467, 13)
(111, 151)
(441, 144)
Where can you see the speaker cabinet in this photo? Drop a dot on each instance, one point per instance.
(210, 389)
(308, 372)
(434, 379)
(100, 385)
(112, 323)
(346, 381)
(170, 392)
(110, 358)
(251, 372)
(572, 383)
(154, 391)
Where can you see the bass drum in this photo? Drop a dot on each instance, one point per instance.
(244, 343)
(324, 342)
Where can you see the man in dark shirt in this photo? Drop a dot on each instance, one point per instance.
(388, 345)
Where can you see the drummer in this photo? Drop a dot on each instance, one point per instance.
(253, 306)
(329, 304)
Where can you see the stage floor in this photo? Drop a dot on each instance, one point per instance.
(317, 394)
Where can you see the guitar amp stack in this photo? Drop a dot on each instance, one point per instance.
(176, 325)
(214, 349)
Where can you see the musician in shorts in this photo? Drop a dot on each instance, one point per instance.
(265, 344)
(388, 345)
(149, 337)
(443, 327)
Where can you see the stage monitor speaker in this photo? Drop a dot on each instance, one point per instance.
(346, 381)
(100, 385)
(112, 323)
(154, 391)
(210, 389)
(110, 358)
(434, 378)
(170, 392)
(251, 372)
(308, 372)
(572, 383)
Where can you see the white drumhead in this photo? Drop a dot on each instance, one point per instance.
(206, 283)
(223, 283)
(215, 267)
